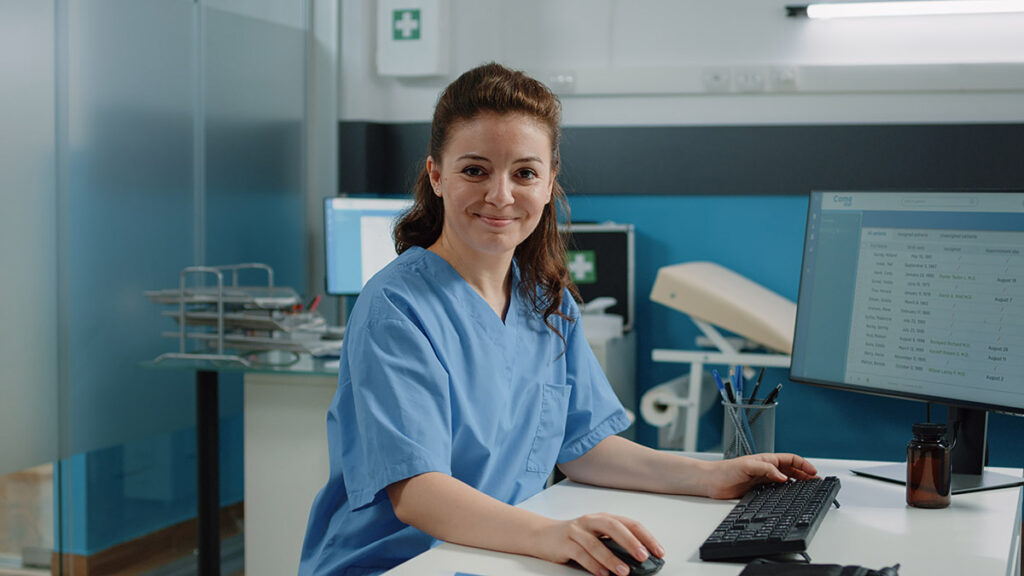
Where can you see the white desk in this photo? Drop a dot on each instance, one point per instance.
(979, 534)
(286, 464)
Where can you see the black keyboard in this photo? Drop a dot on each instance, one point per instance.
(772, 519)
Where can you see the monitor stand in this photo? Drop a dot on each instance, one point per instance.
(969, 474)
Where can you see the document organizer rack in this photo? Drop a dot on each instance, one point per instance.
(711, 296)
(225, 320)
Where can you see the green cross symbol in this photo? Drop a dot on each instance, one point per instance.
(405, 25)
(582, 266)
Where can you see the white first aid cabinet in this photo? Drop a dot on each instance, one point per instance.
(412, 37)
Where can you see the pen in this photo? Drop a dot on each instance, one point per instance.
(768, 400)
(724, 389)
(772, 395)
(737, 376)
(741, 434)
(721, 386)
(312, 305)
(757, 384)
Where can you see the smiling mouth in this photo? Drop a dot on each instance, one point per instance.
(496, 220)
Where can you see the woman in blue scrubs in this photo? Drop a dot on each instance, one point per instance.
(465, 377)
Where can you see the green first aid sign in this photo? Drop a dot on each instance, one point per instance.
(405, 24)
(582, 266)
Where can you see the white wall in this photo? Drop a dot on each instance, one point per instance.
(644, 62)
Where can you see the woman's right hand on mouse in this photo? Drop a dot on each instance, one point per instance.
(579, 540)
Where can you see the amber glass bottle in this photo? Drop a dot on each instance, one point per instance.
(928, 467)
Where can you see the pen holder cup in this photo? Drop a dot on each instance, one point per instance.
(748, 428)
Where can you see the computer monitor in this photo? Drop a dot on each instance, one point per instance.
(358, 241)
(918, 295)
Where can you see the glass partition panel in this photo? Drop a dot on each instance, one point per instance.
(28, 239)
(255, 98)
(130, 209)
(128, 479)
(139, 138)
(28, 293)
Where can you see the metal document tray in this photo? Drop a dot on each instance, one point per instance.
(265, 297)
(260, 320)
(244, 343)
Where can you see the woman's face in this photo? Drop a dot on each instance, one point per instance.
(495, 179)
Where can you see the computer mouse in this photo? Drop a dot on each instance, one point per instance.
(636, 568)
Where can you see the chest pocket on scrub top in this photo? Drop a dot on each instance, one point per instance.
(554, 406)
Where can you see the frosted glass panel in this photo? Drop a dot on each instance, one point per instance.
(28, 237)
(130, 198)
(255, 62)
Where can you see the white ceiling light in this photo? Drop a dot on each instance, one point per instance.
(909, 8)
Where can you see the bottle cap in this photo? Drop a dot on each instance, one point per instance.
(929, 431)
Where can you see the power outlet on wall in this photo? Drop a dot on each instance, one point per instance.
(783, 79)
(718, 79)
(750, 79)
(562, 82)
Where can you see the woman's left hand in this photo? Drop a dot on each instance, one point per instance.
(734, 477)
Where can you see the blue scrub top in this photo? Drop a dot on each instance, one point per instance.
(431, 380)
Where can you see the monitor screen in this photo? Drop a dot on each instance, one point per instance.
(916, 295)
(357, 234)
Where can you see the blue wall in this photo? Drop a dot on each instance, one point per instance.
(760, 237)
